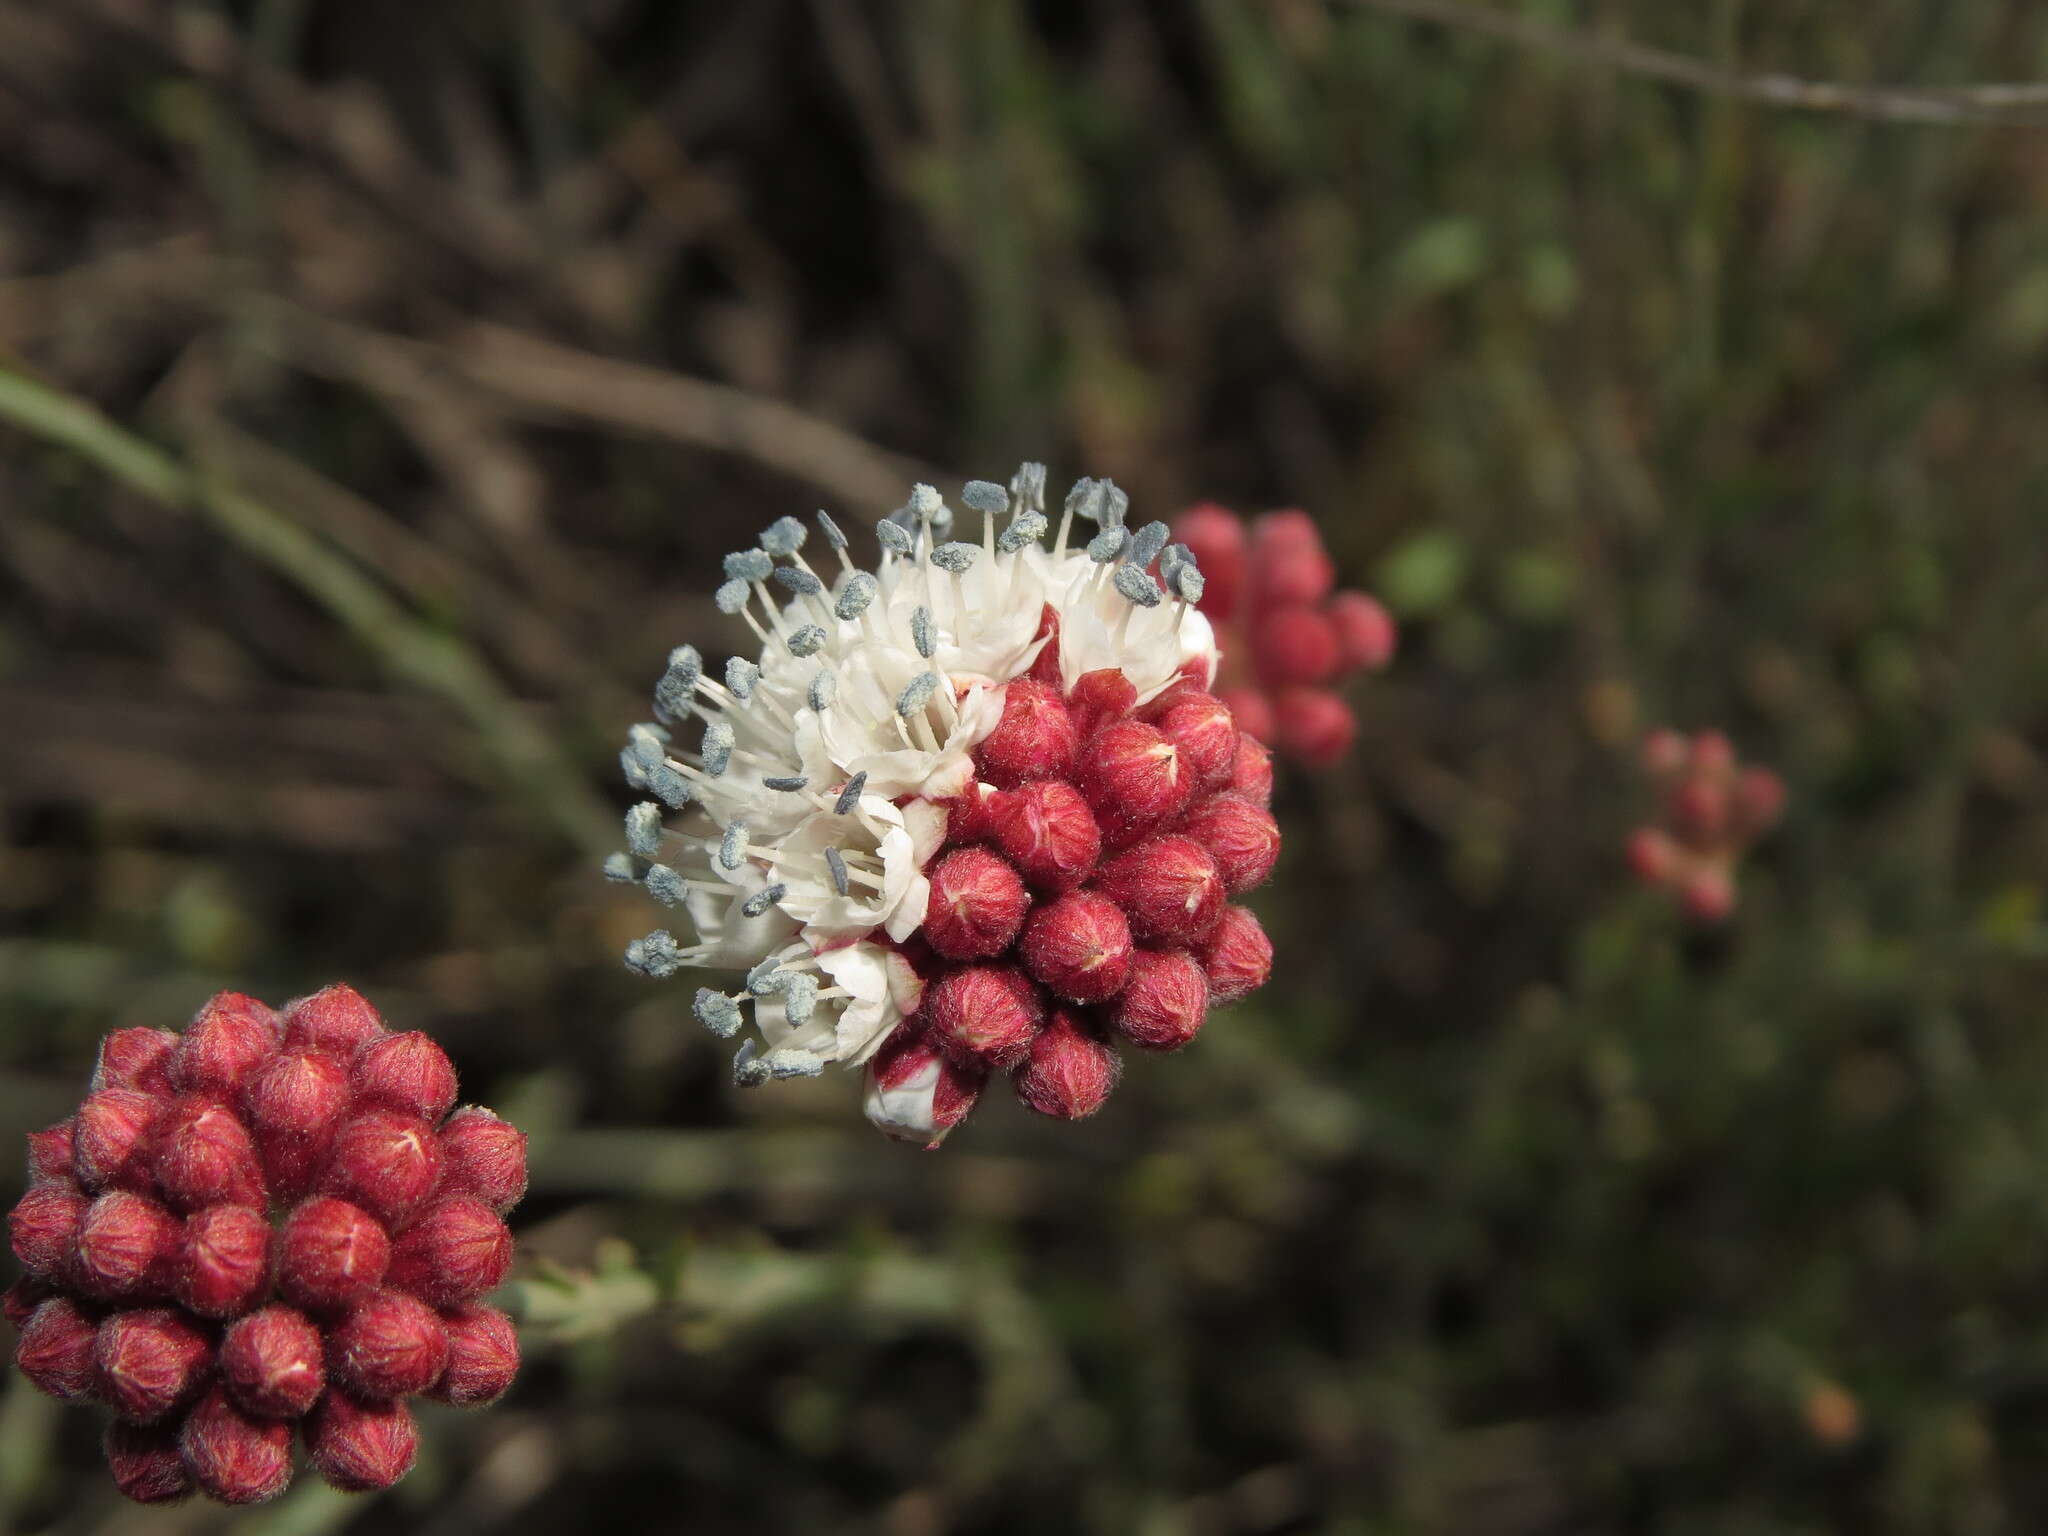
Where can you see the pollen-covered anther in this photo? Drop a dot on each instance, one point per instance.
(1237, 957)
(1164, 1004)
(1035, 738)
(1242, 837)
(1078, 947)
(1134, 780)
(1170, 889)
(983, 1016)
(1047, 832)
(978, 902)
(1068, 1072)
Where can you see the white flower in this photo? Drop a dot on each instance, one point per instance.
(805, 778)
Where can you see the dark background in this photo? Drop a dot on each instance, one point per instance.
(442, 348)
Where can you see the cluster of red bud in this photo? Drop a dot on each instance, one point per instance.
(269, 1222)
(1083, 895)
(1710, 810)
(1287, 638)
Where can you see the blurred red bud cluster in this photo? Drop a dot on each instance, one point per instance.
(1710, 810)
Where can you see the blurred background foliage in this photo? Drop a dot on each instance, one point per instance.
(379, 383)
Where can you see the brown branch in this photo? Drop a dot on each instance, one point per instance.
(2008, 104)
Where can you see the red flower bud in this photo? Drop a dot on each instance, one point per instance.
(1202, 727)
(967, 813)
(483, 1156)
(455, 1252)
(336, 1019)
(148, 1361)
(20, 1300)
(1652, 856)
(1313, 724)
(146, 1463)
(1079, 947)
(1047, 831)
(1241, 837)
(1759, 799)
(1252, 712)
(1163, 1007)
(1251, 775)
(391, 1344)
(50, 1153)
(1288, 561)
(977, 905)
(207, 1157)
(385, 1161)
(1712, 753)
(222, 1045)
(1133, 779)
(1099, 697)
(1698, 810)
(1035, 739)
(1366, 635)
(330, 1254)
(55, 1350)
(1216, 538)
(1291, 646)
(127, 1246)
(136, 1058)
(44, 1229)
(223, 1262)
(1170, 889)
(1236, 958)
(1665, 753)
(1068, 1072)
(112, 1140)
(914, 1093)
(483, 1356)
(294, 1103)
(407, 1072)
(272, 1363)
(1708, 896)
(236, 1458)
(983, 1015)
(361, 1447)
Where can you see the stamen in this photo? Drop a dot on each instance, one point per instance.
(1107, 545)
(762, 900)
(835, 861)
(799, 582)
(665, 885)
(985, 497)
(824, 688)
(787, 784)
(922, 634)
(732, 848)
(849, 797)
(673, 693)
(859, 591)
(1133, 583)
(643, 829)
(807, 641)
(656, 956)
(740, 677)
(748, 565)
(718, 739)
(717, 1012)
(618, 868)
(1029, 528)
(731, 597)
(1027, 486)
(1146, 544)
(894, 537)
(954, 558)
(784, 536)
(916, 694)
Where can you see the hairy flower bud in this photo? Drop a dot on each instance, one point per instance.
(915, 1093)
(1708, 896)
(1288, 562)
(111, 1143)
(273, 1363)
(20, 1300)
(983, 1016)
(391, 1344)
(1759, 799)
(1035, 738)
(1167, 999)
(385, 1161)
(223, 1261)
(408, 1072)
(336, 1019)
(1652, 856)
(483, 1156)
(1698, 810)
(56, 1350)
(1079, 947)
(1068, 1072)
(1202, 727)
(1313, 724)
(1293, 647)
(1241, 837)
(1133, 779)
(330, 1254)
(1665, 753)
(483, 1356)
(456, 1251)
(127, 1247)
(136, 1058)
(50, 1153)
(43, 1228)
(148, 1361)
(222, 1045)
(1170, 889)
(1099, 697)
(1047, 831)
(1366, 634)
(207, 1157)
(146, 1462)
(977, 905)
(294, 1104)
(1237, 957)
(360, 1447)
(236, 1457)
(1251, 772)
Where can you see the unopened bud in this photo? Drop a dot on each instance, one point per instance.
(1366, 635)
(20, 1300)
(1698, 809)
(1251, 774)
(1099, 697)
(148, 1361)
(330, 1254)
(385, 1161)
(1241, 837)
(1293, 647)
(227, 1040)
(456, 1251)
(967, 813)
(390, 1345)
(483, 1356)
(43, 1228)
(1708, 896)
(1236, 958)
(360, 1447)
(1068, 1072)
(483, 1156)
(1204, 730)
(146, 1463)
(1079, 947)
(1252, 711)
(408, 1072)
(273, 1363)
(55, 1350)
(1712, 753)
(207, 1157)
(1652, 856)
(1035, 739)
(1047, 832)
(1665, 753)
(234, 1456)
(136, 1058)
(1313, 724)
(1165, 1002)
(1759, 799)
(223, 1262)
(983, 1016)
(111, 1143)
(1134, 780)
(977, 904)
(336, 1019)
(50, 1154)
(127, 1247)
(294, 1103)
(1170, 889)
(914, 1093)
(1288, 561)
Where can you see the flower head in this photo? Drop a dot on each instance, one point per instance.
(933, 816)
(270, 1221)
(1710, 810)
